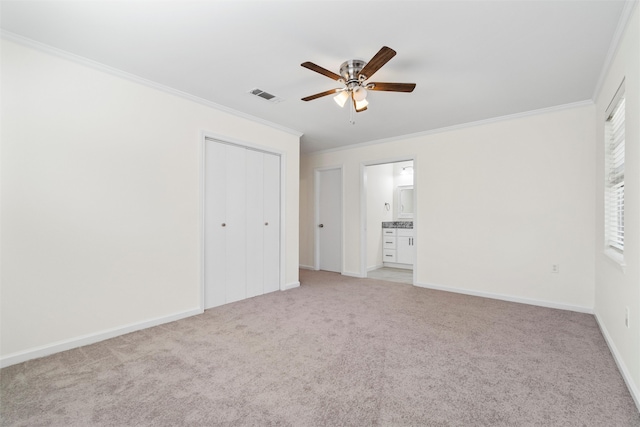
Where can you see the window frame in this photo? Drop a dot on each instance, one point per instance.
(614, 176)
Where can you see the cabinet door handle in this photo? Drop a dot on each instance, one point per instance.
(266, 223)
(224, 224)
(321, 225)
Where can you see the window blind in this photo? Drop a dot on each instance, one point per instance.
(614, 173)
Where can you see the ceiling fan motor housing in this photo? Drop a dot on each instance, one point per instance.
(350, 71)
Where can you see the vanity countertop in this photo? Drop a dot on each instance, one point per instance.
(397, 224)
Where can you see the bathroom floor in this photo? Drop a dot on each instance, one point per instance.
(400, 275)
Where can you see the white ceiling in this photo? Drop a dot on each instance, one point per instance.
(472, 60)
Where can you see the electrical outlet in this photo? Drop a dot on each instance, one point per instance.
(555, 268)
(626, 317)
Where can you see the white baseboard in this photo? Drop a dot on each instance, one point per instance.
(622, 367)
(46, 350)
(306, 267)
(291, 286)
(540, 303)
(351, 274)
(375, 267)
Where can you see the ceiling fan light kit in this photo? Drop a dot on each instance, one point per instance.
(341, 98)
(354, 75)
(361, 105)
(359, 93)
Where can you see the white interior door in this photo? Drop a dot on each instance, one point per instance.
(215, 265)
(242, 223)
(236, 228)
(271, 272)
(330, 220)
(255, 225)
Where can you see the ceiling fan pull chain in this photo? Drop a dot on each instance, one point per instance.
(352, 119)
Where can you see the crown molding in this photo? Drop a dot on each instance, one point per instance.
(625, 16)
(554, 109)
(7, 35)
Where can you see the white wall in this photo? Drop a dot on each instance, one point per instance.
(101, 200)
(380, 186)
(498, 204)
(615, 287)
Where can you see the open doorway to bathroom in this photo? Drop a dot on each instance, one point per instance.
(389, 205)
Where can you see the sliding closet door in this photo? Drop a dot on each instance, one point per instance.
(236, 220)
(255, 223)
(271, 223)
(215, 241)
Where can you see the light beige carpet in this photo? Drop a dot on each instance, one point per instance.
(337, 351)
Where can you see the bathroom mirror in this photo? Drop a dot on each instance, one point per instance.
(405, 201)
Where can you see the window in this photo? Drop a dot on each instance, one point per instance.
(614, 175)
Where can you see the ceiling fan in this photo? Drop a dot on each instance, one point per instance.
(354, 75)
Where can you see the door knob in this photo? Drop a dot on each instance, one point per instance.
(321, 226)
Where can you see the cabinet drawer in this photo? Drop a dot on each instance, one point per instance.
(388, 255)
(388, 242)
(388, 231)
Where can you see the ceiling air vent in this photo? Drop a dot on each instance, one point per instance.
(265, 95)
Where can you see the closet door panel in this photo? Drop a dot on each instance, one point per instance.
(271, 245)
(255, 223)
(236, 265)
(241, 224)
(215, 216)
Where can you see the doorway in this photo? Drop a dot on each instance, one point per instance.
(328, 215)
(389, 241)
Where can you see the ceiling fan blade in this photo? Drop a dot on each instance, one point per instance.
(392, 87)
(379, 59)
(320, 95)
(319, 69)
